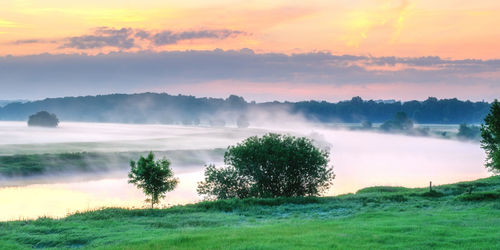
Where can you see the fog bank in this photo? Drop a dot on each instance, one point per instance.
(360, 159)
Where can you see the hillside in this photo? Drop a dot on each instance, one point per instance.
(376, 217)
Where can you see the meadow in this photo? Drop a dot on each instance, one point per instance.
(32, 165)
(461, 215)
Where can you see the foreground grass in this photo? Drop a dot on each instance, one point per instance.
(378, 217)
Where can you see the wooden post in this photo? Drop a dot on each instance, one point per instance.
(430, 186)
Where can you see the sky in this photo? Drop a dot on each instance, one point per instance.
(261, 50)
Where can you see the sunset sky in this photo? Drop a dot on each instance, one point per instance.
(262, 50)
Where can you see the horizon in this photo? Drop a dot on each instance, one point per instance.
(246, 100)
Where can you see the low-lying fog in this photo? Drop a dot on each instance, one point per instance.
(360, 159)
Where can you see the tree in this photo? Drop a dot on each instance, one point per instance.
(43, 119)
(399, 122)
(273, 165)
(468, 132)
(490, 133)
(155, 178)
(242, 121)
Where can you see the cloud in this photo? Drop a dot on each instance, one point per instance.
(102, 37)
(169, 37)
(59, 75)
(125, 38)
(32, 41)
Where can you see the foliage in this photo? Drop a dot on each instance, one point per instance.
(164, 108)
(270, 166)
(155, 178)
(399, 122)
(224, 183)
(490, 132)
(43, 119)
(469, 132)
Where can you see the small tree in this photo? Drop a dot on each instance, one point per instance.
(43, 119)
(270, 166)
(490, 132)
(155, 178)
(399, 122)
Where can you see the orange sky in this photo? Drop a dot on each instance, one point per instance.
(449, 29)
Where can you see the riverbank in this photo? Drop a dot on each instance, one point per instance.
(389, 217)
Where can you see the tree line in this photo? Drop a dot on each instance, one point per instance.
(189, 110)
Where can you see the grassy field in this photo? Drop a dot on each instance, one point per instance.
(28, 165)
(462, 215)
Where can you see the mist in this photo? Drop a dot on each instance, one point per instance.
(360, 159)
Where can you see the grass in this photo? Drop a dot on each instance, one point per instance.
(375, 217)
(29, 165)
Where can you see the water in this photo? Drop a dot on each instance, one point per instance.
(360, 159)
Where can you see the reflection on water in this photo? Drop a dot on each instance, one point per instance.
(59, 200)
(363, 159)
(360, 159)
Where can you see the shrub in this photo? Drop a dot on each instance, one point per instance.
(43, 119)
(273, 165)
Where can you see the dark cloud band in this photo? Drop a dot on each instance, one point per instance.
(147, 70)
(125, 38)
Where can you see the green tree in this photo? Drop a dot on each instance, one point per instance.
(273, 165)
(224, 183)
(155, 178)
(399, 122)
(43, 119)
(490, 132)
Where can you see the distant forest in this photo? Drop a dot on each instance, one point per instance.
(179, 109)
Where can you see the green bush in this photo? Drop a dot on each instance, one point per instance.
(273, 165)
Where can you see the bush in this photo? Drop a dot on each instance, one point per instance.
(269, 166)
(224, 183)
(43, 119)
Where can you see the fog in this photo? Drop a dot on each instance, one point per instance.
(360, 159)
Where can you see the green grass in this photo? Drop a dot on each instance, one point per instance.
(376, 217)
(28, 165)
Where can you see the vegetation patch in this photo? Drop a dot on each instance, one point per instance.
(29, 165)
(381, 189)
(480, 196)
